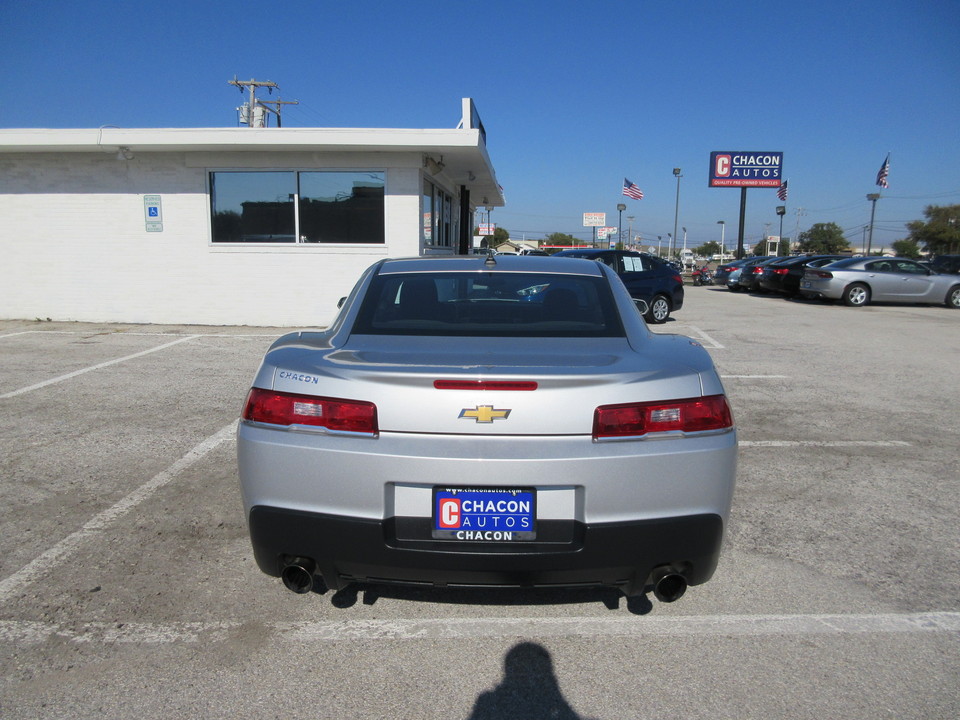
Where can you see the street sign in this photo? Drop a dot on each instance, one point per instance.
(594, 219)
(746, 169)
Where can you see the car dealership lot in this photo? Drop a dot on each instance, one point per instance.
(127, 583)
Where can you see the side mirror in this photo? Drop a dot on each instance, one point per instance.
(641, 306)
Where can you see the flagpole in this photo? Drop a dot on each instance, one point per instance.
(872, 197)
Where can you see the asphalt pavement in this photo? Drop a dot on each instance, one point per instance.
(128, 587)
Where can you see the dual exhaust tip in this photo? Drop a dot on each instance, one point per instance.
(668, 585)
(298, 577)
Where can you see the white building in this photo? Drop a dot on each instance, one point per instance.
(226, 226)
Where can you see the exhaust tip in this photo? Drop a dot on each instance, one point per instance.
(297, 575)
(669, 586)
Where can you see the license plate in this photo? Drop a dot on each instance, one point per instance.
(805, 283)
(484, 514)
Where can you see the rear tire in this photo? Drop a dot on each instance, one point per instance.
(953, 297)
(659, 310)
(856, 295)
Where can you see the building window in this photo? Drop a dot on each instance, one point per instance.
(291, 207)
(428, 212)
(438, 218)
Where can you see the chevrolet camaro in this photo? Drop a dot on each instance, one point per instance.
(500, 421)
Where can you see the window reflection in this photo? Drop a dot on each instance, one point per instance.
(331, 207)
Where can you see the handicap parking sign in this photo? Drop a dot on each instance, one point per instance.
(152, 213)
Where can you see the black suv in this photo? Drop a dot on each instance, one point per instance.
(647, 277)
(946, 264)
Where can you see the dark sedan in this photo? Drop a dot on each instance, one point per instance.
(751, 272)
(784, 275)
(722, 274)
(647, 277)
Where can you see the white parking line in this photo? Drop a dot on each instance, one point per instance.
(754, 377)
(35, 632)
(43, 564)
(822, 443)
(710, 342)
(75, 373)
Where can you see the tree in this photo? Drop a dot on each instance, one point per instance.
(906, 248)
(500, 235)
(940, 235)
(708, 249)
(823, 238)
(559, 238)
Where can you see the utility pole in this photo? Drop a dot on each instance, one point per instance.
(249, 114)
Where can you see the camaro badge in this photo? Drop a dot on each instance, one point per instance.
(484, 413)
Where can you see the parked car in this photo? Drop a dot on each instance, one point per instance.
(733, 280)
(858, 281)
(750, 273)
(946, 264)
(723, 271)
(647, 277)
(784, 275)
(508, 421)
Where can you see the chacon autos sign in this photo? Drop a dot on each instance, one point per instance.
(746, 169)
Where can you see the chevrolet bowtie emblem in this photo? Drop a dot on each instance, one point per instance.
(484, 413)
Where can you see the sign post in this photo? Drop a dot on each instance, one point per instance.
(744, 170)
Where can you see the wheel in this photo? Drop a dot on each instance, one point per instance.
(856, 295)
(659, 310)
(953, 297)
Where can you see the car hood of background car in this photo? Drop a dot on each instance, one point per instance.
(573, 377)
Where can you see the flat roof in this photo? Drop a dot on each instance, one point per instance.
(462, 151)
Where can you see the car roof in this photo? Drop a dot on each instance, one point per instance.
(585, 252)
(500, 263)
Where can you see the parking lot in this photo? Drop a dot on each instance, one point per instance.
(128, 587)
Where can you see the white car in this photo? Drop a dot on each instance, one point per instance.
(505, 421)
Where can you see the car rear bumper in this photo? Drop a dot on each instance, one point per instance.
(566, 554)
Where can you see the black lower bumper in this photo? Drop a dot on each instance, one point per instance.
(566, 553)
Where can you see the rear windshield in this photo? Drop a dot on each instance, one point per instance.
(489, 305)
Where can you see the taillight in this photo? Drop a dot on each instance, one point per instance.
(334, 414)
(821, 274)
(678, 278)
(758, 270)
(688, 415)
(780, 271)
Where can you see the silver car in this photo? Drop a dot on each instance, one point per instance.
(858, 281)
(499, 422)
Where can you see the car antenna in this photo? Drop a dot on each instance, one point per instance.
(491, 261)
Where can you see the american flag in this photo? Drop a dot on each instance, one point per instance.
(884, 171)
(782, 192)
(631, 190)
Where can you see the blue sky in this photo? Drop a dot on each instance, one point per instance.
(575, 96)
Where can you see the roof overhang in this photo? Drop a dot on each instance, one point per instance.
(459, 154)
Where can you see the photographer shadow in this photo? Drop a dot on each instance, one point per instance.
(529, 689)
